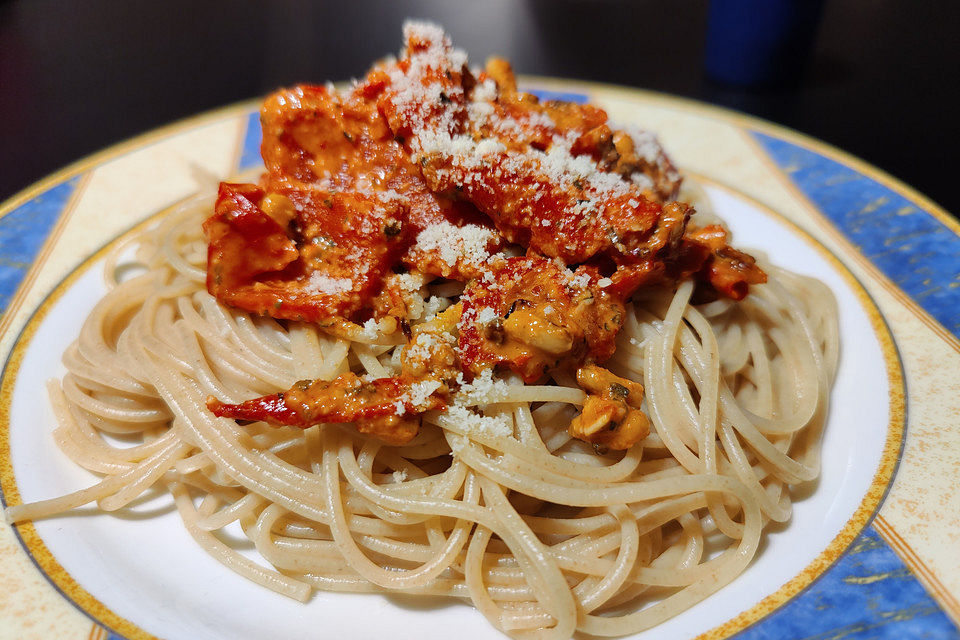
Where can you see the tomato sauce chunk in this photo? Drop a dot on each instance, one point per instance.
(547, 175)
(530, 314)
(726, 270)
(301, 255)
(316, 137)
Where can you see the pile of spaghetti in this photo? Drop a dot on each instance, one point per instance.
(456, 342)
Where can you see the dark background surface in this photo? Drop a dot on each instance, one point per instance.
(75, 76)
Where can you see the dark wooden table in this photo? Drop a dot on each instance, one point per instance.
(75, 76)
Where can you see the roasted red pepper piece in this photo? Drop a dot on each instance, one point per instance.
(380, 406)
(244, 242)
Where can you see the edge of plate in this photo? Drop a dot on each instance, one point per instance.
(25, 532)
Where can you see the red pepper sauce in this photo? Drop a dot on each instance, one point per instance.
(427, 165)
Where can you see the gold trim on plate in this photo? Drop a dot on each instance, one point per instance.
(889, 458)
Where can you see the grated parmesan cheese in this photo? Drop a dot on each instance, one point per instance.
(467, 244)
(486, 316)
(485, 91)
(371, 328)
(420, 391)
(410, 281)
(322, 283)
(425, 347)
(483, 390)
(473, 423)
(580, 281)
(433, 306)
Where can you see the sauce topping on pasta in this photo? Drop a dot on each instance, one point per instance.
(430, 169)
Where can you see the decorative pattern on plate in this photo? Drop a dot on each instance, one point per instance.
(868, 593)
(22, 233)
(920, 253)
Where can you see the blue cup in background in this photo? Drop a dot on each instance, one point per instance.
(756, 43)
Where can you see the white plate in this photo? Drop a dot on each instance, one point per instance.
(144, 566)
